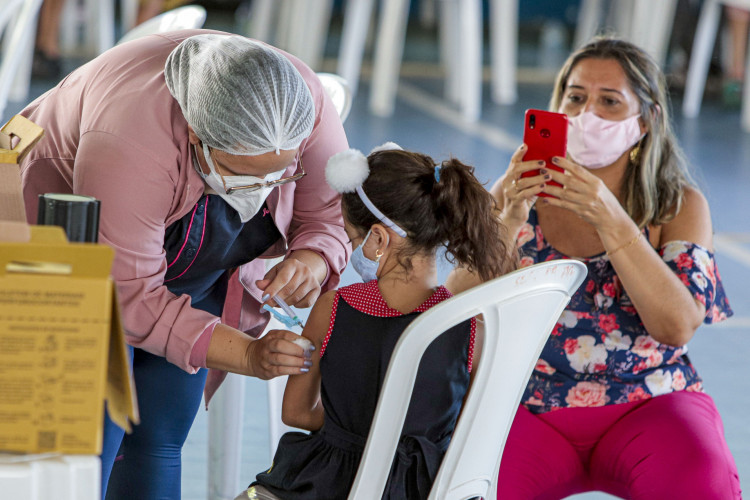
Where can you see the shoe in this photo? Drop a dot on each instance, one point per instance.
(731, 95)
(45, 67)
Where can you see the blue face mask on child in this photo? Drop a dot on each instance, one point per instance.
(366, 268)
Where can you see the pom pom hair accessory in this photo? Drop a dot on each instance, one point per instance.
(388, 146)
(347, 171)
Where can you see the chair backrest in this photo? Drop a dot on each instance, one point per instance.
(17, 27)
(519, 310)
(181, 18)
(338, 90)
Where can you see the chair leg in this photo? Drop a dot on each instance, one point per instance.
(745, 116)
(589, 17)
(128, 15)
(97, 17)
(313, 19)
(306, 25)
(652, 26)
(17, 40)
(705, 34)
(261, 20)
(504, 47)
(450, 51)
(286, 24)
(71, 19)
(388, 54)
(225, 417)
(427, 13)
(357, 15)
(296, 26)
(19, 90)
(620, 16)
(103, 26)
(470, 60)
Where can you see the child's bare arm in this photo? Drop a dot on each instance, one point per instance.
(302, 407)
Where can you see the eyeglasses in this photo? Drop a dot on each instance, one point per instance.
(260, 185)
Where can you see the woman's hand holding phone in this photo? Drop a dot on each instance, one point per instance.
(578, 190)
(517, 190)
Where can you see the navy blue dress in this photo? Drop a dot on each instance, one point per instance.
(355, 357)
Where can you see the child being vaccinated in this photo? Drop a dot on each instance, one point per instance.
(399, 209)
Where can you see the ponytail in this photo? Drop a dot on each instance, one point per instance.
(466, 219)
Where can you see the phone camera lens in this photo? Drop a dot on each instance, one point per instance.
(532, 121)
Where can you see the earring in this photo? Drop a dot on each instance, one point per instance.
(378, 254)
(635, 153)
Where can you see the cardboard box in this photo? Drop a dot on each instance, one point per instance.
(62, 348)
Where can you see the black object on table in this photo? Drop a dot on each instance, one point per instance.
(78, 215)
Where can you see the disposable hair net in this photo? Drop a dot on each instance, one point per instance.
(238, 95)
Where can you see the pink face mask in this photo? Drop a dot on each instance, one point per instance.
(595, 142)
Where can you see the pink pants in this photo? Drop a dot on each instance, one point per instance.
(670, 446)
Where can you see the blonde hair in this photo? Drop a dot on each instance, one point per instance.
(655, 182)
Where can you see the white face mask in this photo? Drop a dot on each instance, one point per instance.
(246, 203)
(366, 268)
(595, 142)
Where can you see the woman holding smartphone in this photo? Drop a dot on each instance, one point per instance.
(614, 403)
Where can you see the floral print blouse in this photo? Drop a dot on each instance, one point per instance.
(599, 352)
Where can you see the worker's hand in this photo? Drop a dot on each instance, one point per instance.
(293, 280)
(279, 352)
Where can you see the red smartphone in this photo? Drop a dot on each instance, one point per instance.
(546, 135)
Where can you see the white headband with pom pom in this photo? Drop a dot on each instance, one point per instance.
(347, 170)
(387, 146)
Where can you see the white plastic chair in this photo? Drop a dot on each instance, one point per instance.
(226, 412)
(301, 26)
(461, 33)
(700, 57)
(519, 310)
(87, 27)
(180, 18)
(339, 92)
(646, 23)
(41, 477)
(17, 27)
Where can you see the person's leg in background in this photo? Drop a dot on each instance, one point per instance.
(148, 465)
(738, 21)
(46, 63)
(672, 446)
(148, 9)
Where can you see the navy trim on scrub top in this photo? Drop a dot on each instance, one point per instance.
(205, 244)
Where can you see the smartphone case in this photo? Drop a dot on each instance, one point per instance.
(546, 135)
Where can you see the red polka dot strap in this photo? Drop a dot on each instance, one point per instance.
(331, 322)
(366, 298)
